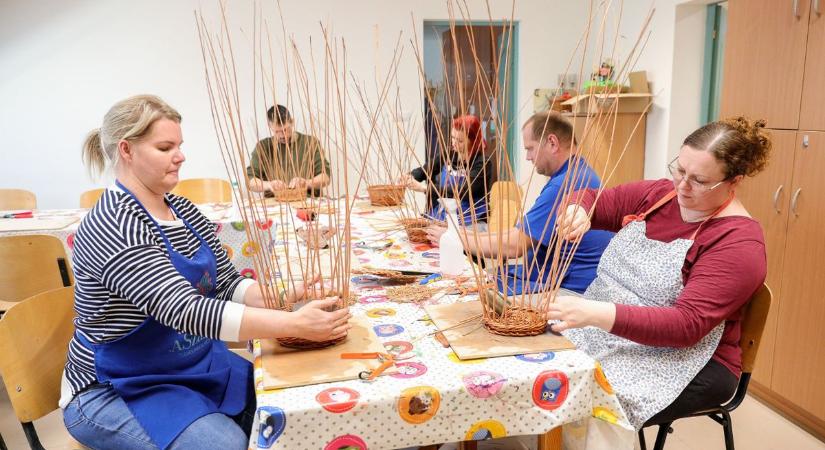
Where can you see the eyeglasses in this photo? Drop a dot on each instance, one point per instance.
(678, 174)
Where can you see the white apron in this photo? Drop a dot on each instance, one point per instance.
(635, 270)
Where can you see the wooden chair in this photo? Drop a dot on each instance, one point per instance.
(503, 215)
(34, 342)
(17, 199)
(504, 205)
(505, 190)
(31, 264)
(204, 190)
(89, 198)
(753, 323)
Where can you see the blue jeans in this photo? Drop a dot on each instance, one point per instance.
(99, 419)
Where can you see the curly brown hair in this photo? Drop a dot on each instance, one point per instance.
(744, 146)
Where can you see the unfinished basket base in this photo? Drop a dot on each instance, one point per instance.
(305, 344)
(517, 322)
(460, 323)
(386, 194)
(290, 195)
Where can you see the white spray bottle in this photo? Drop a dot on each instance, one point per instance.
(452, 259)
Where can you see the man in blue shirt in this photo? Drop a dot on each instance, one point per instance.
(548, 139)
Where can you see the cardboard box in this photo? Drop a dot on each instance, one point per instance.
(604, 103)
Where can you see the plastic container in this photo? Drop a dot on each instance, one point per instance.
(452, 259)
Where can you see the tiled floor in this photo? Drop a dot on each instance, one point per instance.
(756, 427)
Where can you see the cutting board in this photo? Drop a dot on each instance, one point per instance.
(285, 367)
(36, 224)
(473, 341)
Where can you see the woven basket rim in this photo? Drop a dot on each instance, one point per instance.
(535, 326)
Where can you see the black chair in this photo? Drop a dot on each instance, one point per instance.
(753, 323)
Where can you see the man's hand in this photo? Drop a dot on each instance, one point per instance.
(277, 185)
(298, 182)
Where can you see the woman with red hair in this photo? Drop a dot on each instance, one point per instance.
(461, 173)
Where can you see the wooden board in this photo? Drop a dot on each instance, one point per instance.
(363, 206)
(284, 367)
(36, 224)
(473, 341)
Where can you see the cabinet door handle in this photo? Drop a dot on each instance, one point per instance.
(796, 8)
(794, 200)
(816, 7)
(776, 198)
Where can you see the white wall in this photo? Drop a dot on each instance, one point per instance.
(673, 59)
(64, 63)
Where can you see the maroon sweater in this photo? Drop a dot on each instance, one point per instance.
(723, 268)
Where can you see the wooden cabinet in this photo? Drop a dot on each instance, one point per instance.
(767, 197)
(812, 116)
(775, 69)
(799, 360)
(765, 60)
(605, 141)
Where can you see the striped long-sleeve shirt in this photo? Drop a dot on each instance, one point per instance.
(123, 274)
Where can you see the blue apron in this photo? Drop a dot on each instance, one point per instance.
(450, 179)
(170, 379)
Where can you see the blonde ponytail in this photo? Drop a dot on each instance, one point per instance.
(129, 120)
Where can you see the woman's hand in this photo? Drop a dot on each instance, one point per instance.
(434, 232)
(577, 312)
(573, 222)
(315, 323)
(409, 182)
(299, 289)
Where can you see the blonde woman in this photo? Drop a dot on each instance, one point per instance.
(156, 297)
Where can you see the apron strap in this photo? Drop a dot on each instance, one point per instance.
(668, 197)
(715, 213)
(641, 217)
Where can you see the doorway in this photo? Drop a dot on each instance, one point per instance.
(470, 68)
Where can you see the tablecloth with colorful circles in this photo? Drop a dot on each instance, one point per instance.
(433, 396)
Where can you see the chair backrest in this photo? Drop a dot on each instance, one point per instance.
(34, 342)
(503, 215)
(89, 198)
(505, 190)
(504, 205)
(32, 264)
(753, 324)
(17, 199)
(204, 190)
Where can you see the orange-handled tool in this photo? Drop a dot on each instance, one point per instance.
(386, 359)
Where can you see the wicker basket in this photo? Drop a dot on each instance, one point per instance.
(416, 229)
(290, 195)
(306, 344)
(501, 317)
(414, 222)
(516, 322)
(386, 194)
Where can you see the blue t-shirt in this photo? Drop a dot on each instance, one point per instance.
(538, 224)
